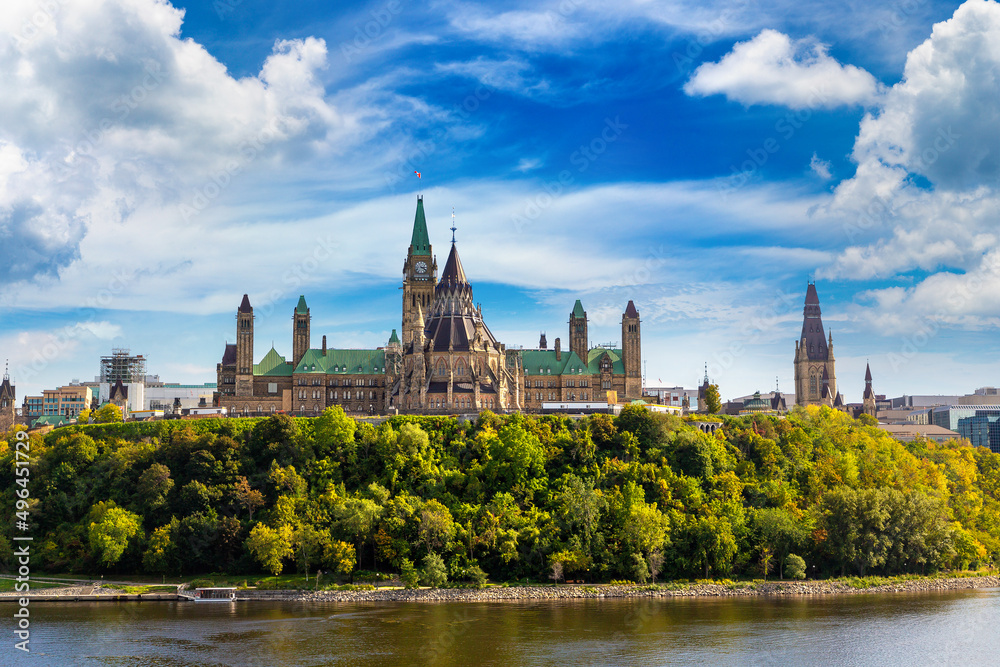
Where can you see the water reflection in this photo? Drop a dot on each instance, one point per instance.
(929, 628)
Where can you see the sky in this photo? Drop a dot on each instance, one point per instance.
(703, 159)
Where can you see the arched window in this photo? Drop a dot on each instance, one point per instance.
(442, 368)
(812, 384)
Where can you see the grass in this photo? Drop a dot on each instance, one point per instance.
(140, 590)
(7, 585)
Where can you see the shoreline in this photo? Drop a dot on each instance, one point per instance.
(777, 588)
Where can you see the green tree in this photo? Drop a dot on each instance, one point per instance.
(780, 531)
(640, 570)
(713, 401)
(409, 575)
(161, 552)
(111, 528)
(358, 517)
(83, 417)
(580, 506)
(340, 556)
(109, 413)
(334, 435)
(795, 566)
(270, 546)
(153, 487)
(434, 574)
(436, 525)
(248, 498)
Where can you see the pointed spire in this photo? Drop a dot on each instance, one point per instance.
(630, 310)
(453, 274)
(301, 308)
(706, 372)
(868, 373)
(6, 369)
(393, 338)
(578, 309)
(420, 243)
(453, 225)
(245, 306)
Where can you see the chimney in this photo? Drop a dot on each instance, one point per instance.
(558, 350)
(324, 346)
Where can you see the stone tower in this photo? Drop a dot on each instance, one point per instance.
(815, 373)
(578, 341)
(244, 348)
(419, 275)
(632, 352)
(868, 402)
(300, 330)
(8, 398)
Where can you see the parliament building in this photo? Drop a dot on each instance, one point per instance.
(445, 361)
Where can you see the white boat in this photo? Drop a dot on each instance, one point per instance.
(214, 595)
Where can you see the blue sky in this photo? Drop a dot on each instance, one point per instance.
(703, 159)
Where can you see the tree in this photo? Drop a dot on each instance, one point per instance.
(436, 525)
(477, 575)
(557, 571)
(308, 545)
(780, 532)
(250, 499)
(340, 556)
(109, 413)
(270, 547)
(83, 417)
(334, 435)
(795, 566)
(161, 553)
(580, 506)
(435, 574)
(408, 574)
(713, 402)
(766, 558)
(640, 570)
(153, 487)
(358, 517)
(655, 563)
(111, 528)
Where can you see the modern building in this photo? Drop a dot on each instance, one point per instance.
(815, 366)
(447, 359)
(980, 424)
(163, 395)
(68, 401)
(678, 397)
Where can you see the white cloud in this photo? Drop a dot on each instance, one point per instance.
(925, 194)
(772, 69)
(820, 167)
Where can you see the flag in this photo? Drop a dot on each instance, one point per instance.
(417, 173)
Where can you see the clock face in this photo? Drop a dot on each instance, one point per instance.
(421, 267)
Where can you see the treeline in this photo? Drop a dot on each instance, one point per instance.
(633, 497)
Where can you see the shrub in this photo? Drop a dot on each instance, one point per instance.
(435, 574)
(795, 567)
(409, 574)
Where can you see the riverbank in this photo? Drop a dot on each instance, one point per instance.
(577, 591)
(559, 592)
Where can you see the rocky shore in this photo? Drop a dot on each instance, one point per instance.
(578, 591)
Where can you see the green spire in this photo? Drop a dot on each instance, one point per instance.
(301, 308)
(578, 309)
(393, 338)
(420, 243)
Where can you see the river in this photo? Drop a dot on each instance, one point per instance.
(945, 628)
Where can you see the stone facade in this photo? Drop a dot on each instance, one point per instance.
(446, 361)
(8, 399)
(815, 366)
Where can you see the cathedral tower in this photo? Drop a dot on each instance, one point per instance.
(419, 275)
(244, 348)
(632, 352)
(578, 341)
(868, 402)
(300, 331)
(8, 397)
(815, 374)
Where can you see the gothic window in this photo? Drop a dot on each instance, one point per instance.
(812, 384)
(442, 368)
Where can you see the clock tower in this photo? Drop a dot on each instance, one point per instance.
(419, 275)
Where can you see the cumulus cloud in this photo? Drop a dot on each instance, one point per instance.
(773, 69)
(820, 167)
(925, 194)
(105, 109)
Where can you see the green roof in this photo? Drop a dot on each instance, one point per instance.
(51, 420)
(578, 309)
(347, 362)
(393, 338)
(544, 362)
(273, 365)
(595, 355)
(301, 308)
(420, 243)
